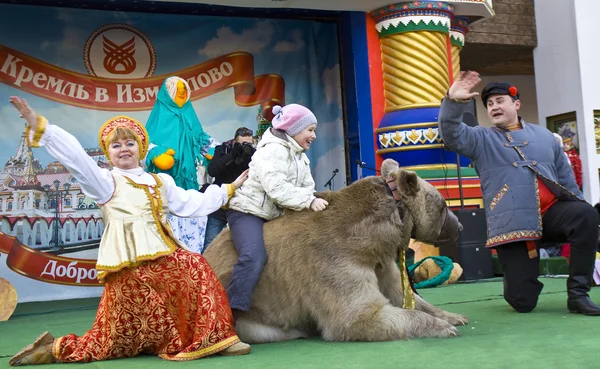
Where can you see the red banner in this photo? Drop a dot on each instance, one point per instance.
(47, 267)
(234, 70)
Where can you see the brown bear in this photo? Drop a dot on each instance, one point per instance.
(334, 273)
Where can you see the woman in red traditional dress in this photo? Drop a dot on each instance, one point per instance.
(158, 298)
(574, 159)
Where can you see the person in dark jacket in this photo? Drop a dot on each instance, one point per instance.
(231, 158)
(529, 192)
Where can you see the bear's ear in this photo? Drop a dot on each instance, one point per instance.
(387, 167)
(408, 182)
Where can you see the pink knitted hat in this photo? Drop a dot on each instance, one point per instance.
(292, 118)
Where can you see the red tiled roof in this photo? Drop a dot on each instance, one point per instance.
(49, 178)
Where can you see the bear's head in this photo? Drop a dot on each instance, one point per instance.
(433, 221)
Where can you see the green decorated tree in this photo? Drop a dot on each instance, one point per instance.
(263, 124)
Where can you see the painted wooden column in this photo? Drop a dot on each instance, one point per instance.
(458, 31)
(415, 53)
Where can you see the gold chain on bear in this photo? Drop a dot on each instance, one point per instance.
(409, 297)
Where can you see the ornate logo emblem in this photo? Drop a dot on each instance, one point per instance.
(119, 51)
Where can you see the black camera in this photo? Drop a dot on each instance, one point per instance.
(242, 151)
(247, 149)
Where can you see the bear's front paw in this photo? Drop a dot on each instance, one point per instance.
(456, 319)
(444, 329)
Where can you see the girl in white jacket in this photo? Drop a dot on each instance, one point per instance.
(279, 178)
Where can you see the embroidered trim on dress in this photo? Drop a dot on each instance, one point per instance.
(56, 347)
(556, 183)
(38, 133)
(230, 191)
(218, 347)
(513, 236)
(537, 198)
(113, 193)
(498, 197)
(510, 139)
(155, 210)
(536, 184)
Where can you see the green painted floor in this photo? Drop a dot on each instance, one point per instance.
(497, 337)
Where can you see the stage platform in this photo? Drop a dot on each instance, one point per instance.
(498, 337)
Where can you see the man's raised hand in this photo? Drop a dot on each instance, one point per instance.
(25, 110)
(463, 85)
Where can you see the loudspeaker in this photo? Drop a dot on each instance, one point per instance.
(474, 225)
(470, 115)
(470, 252)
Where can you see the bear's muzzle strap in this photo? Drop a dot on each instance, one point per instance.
(393, 188)
(450, 231)
(408, 301)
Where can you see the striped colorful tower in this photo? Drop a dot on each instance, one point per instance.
(414, 52)
(458, 30)
(418, 66)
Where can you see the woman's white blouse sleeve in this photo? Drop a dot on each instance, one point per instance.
(97, 183)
